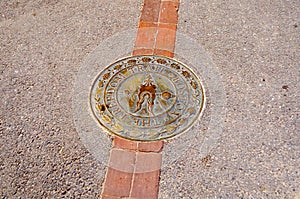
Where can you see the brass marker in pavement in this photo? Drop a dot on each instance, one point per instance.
(143, 100)
(147, 98)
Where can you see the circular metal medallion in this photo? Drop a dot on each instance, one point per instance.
(147, 98)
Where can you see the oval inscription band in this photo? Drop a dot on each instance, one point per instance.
(147, 98)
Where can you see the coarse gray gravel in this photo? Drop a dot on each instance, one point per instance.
(42, 45)
(254, 46)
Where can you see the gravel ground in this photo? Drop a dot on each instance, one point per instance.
(42, 46)
(254, 45)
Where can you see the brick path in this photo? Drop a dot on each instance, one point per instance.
(134, 167)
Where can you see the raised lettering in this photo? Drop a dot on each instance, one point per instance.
(140, 68)
(143, 122)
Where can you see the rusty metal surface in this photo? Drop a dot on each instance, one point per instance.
(147, 98)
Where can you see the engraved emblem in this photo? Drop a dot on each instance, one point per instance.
(147, 98)
(147, 91)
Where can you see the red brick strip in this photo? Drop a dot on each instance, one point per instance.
(134, 167)
(157, 28)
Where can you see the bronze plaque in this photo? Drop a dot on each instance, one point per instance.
(147, 98)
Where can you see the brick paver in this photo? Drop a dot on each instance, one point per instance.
(145, 185)
(150, 146)
(165, 39)
(145, 37)
(150, 11)
(122, 143)
(169, 12)
(117, 183)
